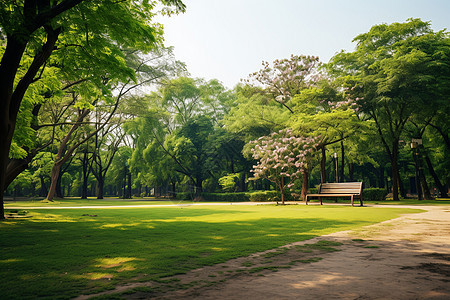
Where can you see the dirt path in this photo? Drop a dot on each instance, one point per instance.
(404, 258)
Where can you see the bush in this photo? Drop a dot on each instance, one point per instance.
(226, 197)
(267, 196)
(263, 196)
(184, 196)
(374, 194)
(313, 190)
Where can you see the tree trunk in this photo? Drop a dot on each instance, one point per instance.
(417, 178)
(85, 175)
(58, 190)
(423, 191)
(423, 181)
(84, 189)
(305, 177)
(401, 187)
(43, 191)
(124, 189)
(129, 185)
(53, 180)
(381, 177)
(198, 188)
(174, 194)
(322, 165)
(282, 190)
(351, 172)
(395, 171)
(8, 110)
(440, 186)
(100, 186)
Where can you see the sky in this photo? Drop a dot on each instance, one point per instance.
(228, 39)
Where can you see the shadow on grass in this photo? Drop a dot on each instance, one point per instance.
(65, 254)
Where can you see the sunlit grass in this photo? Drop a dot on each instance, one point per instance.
(65, 253)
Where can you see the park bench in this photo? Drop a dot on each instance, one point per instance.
(340, 189)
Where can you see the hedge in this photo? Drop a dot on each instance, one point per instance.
(184, 196)
(374, 194)
(226, 197)
(263, 196)
(267, 196)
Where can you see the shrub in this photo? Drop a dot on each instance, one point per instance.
(184, 196)
(226, 197)
(374, 194)
(313, 190)
(263, 196)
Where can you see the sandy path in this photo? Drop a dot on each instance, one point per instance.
(404, 258)
(412, 261)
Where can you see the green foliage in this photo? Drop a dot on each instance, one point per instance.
(184, 196)
(269, 196)
(264, 196)
(374, 194)
(254, 116)
(226, 197)
(397, 74)
(219, 197)
(181, 143)
(228, 182)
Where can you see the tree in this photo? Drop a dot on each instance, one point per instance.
(325, 112)
(396, 71)
(287, 77)
(178, 122)
(282, 158)
(35, 27)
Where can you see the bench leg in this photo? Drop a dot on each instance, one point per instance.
(360, 200)
(306, 200)
(320, 198)
(352, 200)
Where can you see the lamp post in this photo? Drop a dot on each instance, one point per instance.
(337, 167)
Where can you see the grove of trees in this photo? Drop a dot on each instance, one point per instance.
(93, 104)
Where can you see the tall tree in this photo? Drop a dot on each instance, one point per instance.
(36, 26)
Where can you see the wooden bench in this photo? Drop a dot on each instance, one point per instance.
(341, 189)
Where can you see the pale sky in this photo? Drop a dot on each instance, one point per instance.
(228, 39)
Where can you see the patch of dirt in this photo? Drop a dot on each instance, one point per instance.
(438, 268)
(404, 258)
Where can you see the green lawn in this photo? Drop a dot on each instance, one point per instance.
(65, 253)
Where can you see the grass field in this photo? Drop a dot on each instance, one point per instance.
(59, 254)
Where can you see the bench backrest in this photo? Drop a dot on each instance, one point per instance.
(341, 188)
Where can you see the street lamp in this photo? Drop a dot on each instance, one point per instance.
(336, 162)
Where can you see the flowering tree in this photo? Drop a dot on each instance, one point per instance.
(287, 77)
(282, 158)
